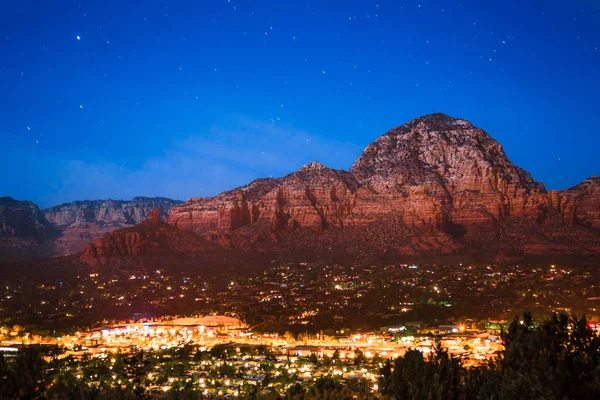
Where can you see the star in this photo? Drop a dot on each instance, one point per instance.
(78, 37)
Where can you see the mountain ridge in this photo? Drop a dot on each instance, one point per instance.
(434, 185)
(145, 241)
(67, 227)
(440, 178)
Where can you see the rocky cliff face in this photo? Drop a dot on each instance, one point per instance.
(65, 229)
(580, 205)
(227, 211)
(106, 212)
(314, 197)
(439, 169)
(82, 222)
(146, 241)
(23, 228)
(435, 184)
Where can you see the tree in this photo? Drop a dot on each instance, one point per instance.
(359, 357)
(414, 377)
(219, 351)
(295, 391)
(184, 391)
(29, 372)
(336, 355)
(558, 359)
(137, 367)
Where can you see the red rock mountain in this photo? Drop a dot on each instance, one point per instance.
(82, 222)
(24, 229)
(580, 205)
(436, 184)
(147, 241)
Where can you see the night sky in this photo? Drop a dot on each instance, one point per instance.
(115, 99)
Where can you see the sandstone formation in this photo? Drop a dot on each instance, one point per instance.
(82, 222)
(153, 216)
(580, 205)
(146, 241)
(435, 184)
(23, 228)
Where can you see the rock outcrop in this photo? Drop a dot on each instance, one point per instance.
(314, 197)
(154, 216)
(439, 169)
(82, 222)
(145, 242)
(434, 184)
(23, 228)
(580, 205)
(106, 212)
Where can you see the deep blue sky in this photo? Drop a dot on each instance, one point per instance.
(113, 99)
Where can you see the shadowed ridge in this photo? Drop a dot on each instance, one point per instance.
(152, 239)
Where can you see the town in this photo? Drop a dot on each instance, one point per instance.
(265, 330)
(218, 355)
(305, 297)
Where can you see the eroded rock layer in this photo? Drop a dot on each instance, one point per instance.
(147, 240)
(23, 228)
(435, 185)
(438, 183)
(82, 222)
